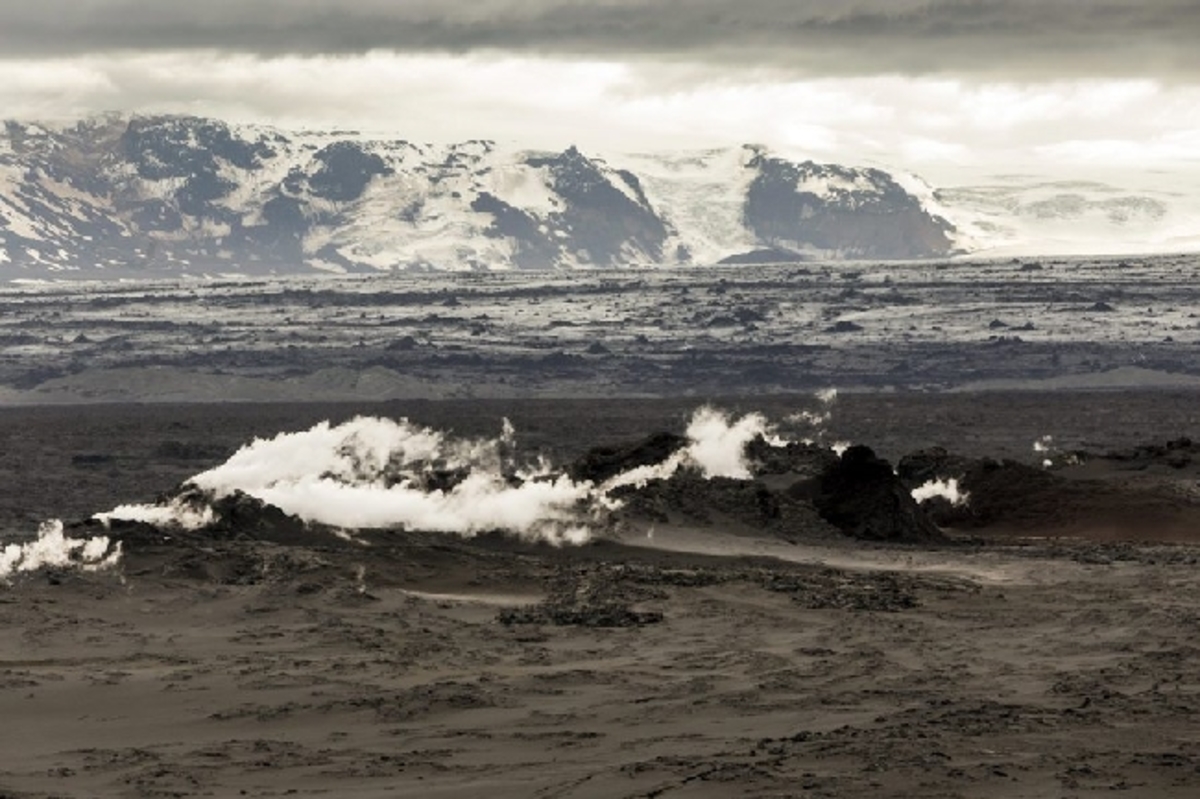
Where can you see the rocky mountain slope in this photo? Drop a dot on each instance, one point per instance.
(172, 195)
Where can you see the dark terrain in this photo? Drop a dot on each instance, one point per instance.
(1041, 649)
(751, 330)
(72, 461)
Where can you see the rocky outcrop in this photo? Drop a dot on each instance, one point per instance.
(603, 463)
(855, 213)
(861, 496)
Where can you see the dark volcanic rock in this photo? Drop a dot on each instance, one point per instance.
(533, 249)
(602, 220)
(243, 516)
(840, 590)
(862, 497)
(596, 615)
(130, 535)
(596, 348)
(173, 449)
(1012, 495)
(746, 500)
(768, 255)
(1176, 454)
(806, 460)
(600, 596)
(445, 480)
(345, 171)
(935, 463)
(403, 344)
(604, 463)
(693, 499)
(856, 212)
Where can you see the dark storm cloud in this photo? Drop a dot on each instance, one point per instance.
(1041, 38)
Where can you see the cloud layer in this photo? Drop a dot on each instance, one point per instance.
(1014, 38)
(940, 128)
(952, 89)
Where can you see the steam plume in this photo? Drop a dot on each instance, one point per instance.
(53, 549)
(379, 473)
(946, 489)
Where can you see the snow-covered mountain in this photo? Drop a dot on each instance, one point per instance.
(171, 195)
(158, 196)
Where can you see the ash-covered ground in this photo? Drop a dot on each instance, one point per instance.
(605, 598)
(751, 330)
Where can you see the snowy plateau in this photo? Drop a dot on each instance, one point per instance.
(117, 197)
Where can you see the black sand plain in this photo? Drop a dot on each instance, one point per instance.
(1048, 650)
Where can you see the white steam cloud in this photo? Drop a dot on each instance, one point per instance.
(379, 473)
(1050, 452)
(537, 509)
(53, 549)
(821, 417)
(819, 420)
(718, 444)
(716, 448)
(946, 489)
(1045, 446)
(176, 513)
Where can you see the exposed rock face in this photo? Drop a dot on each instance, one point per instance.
(1005, 496)
(1011, 495)
(603, 218)
(1178, 453)
(859, 213)
(935, 463)
(345, 171)
(767, 255)
(603, 463)
(606, 216)
(862, 497)
(794, 459)
(153, 196)
(244, 516)
(690, 499)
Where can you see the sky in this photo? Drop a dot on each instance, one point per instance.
(957, 86)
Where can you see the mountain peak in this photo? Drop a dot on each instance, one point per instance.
(173, 194)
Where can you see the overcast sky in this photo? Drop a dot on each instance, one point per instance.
(932, 86)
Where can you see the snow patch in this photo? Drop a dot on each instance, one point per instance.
(829, 184)
(702, 197)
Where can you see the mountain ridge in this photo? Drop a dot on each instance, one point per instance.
(171, 195)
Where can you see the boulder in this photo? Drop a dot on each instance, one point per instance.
(861, 496)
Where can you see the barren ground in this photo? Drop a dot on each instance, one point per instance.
(421, 666)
